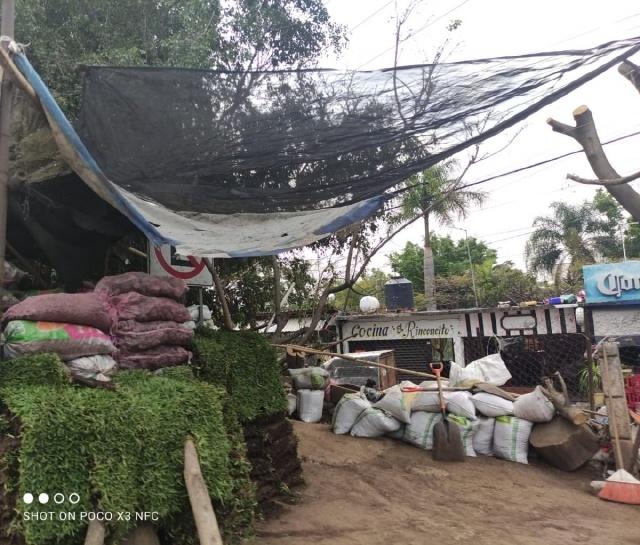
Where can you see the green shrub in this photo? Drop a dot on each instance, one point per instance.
(122, 451)
(245, 364)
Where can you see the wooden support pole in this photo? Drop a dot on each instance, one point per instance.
(6, 96)
(295, 348)
(95, 533)
(617, 410)
(203, 514)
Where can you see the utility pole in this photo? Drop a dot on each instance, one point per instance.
(6, 96)
(473, 274)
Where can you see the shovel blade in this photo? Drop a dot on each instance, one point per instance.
(447, 443)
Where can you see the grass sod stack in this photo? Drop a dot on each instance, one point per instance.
(120, 451)
(246, 366)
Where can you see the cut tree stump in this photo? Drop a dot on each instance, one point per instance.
(563, 444)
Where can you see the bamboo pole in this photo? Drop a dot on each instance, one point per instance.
(95, 533)
(203, 514)
(295, 347)
(6, 96)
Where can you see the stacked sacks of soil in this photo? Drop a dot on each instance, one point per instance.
(73, 326)
(152, 329)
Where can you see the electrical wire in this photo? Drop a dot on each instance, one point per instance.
(413, 34)
(368, 17)
(516, 170)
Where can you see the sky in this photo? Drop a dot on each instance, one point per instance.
(506, 27)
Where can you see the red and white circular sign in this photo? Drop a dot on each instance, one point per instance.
(165, 262)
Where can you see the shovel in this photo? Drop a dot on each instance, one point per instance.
(447, 441)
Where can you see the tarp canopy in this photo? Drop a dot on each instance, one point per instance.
(227, 164)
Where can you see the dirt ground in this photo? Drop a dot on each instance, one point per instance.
(380, 491)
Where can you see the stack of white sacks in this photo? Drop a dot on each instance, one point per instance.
(489, 424)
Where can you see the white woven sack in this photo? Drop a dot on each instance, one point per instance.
(420, 431)
(489, 369)
(511, 438)
(534, 406)
(427, 401)
(399, 433)
(310, 404)
(398, 403)
(460, 404)
(374, 423)
(467, 430)
(348, 409)
(483, 436)
(492, 405)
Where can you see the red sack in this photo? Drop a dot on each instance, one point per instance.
(72, 308)
(155, 358)
(131, 326)
(134, 306)
(153, 286)
(134, 341)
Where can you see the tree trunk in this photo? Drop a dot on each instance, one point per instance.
(217, 282)
(429, 268)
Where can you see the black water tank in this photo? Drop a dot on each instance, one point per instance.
(398, 294)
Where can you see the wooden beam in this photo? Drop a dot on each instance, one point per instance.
(203, 514)
(6, 97)
(616, 401)
(95, 533)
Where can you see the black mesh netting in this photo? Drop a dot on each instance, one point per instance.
(225, 142)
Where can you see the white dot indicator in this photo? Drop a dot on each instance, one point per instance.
(74, 497)
(58, 498)
(27, 498)
(43, 498)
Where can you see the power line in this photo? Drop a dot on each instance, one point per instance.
(520, 169)
(371, 16)
(430, 23)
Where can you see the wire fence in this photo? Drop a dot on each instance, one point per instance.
(530, 358)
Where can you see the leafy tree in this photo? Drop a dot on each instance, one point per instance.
(370, 284)
(573, 236)
(450, 258)
(433, 194)
(64, 34)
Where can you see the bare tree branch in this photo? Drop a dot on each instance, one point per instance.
(631, 72)
(585, 133)
(226, 314)
(615, 181)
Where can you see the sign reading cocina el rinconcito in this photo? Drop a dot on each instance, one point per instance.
(612, 282)
(406, 329)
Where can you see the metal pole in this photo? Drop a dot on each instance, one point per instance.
(6, 95)
(473, 275)
(624, 248)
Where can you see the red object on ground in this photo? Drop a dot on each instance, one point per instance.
(632, 389)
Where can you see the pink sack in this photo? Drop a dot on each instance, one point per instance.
(72, 308)
(134, 306)
(155, 358)
(132, 341)
(153, 286)
(131, 326)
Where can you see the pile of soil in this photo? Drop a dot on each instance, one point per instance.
(380, 491)
(272, 450)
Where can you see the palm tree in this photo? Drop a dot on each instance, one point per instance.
(433, 194)
(562, 242)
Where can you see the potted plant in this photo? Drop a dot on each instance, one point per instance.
(596, 382)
